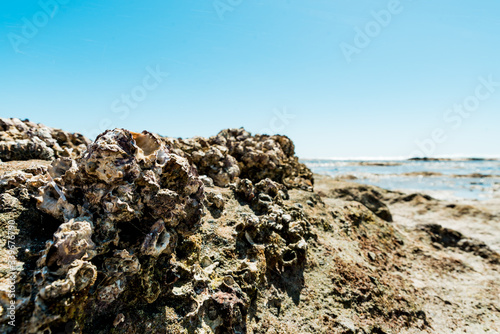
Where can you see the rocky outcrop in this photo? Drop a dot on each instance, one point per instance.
(122, 179)
(236, 153)
(25, 140)
(145, 234)
(129, 212)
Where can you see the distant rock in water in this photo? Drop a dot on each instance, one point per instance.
(25, 140)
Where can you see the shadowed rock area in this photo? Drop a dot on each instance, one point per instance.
(138, 233)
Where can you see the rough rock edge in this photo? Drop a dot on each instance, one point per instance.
(131, 178)
(25, 140)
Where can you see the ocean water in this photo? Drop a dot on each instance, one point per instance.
(443, 179)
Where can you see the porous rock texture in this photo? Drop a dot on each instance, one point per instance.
(146, 234)
(235, 153)
(25, 140)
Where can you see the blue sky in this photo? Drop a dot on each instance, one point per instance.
(270, 66)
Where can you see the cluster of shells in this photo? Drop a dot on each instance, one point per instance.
(126, 204)
(24, 140)
(235, 153)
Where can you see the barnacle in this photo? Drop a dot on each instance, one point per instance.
(72, 241)
(110, 292)
(122, 262)
(80, 275)
(158, 241)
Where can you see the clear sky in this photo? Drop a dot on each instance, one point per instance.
(342, 78)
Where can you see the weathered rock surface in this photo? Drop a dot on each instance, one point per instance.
(451, 238)
(236, 153)
(25, 140)
(369, 196)
(129, 238)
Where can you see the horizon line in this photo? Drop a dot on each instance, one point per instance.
(401, 158)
